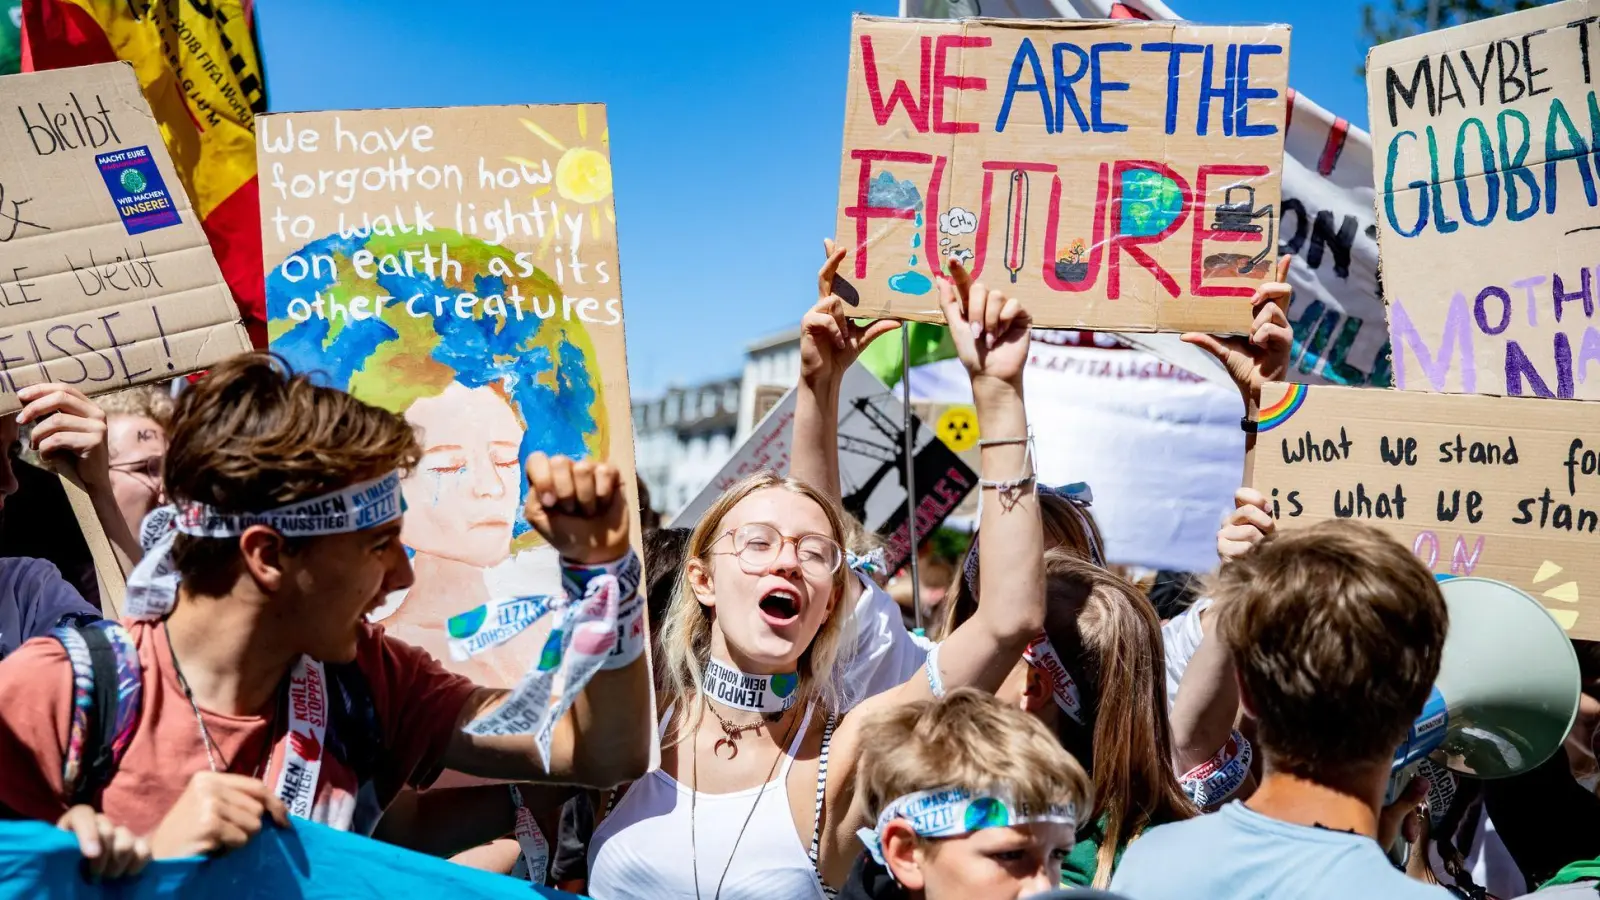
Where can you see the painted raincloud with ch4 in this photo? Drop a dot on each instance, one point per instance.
(957, 221)
(886, 192)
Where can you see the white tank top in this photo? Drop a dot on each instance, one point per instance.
(642, 850)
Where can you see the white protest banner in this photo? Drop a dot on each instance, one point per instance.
(1159, 446)
(1340, 333)
(871, 447)
(106, 278)
(1489, 206)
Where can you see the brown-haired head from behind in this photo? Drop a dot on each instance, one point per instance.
(1336, 632)
(972, 743)
(252, 436)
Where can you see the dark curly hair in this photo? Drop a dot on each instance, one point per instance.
(252, 436)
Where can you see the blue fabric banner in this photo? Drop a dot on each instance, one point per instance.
(306, 862)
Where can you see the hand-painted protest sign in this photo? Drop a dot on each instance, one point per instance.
(1341, 334)
(1488, 205)
(1123, 176)
(871, 464)
(106, 279)
(1501, 487)
(459, 267)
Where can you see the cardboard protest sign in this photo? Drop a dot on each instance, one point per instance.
(871, 467)
(1500, 487)
(106, 279)
(1122, 176)
(1487, 203)
(459, 267)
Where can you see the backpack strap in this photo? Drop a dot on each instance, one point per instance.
(107, 690)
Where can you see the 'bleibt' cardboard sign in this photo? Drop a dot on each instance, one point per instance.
(1488, 209)
(106, 278)
(1500, 487)
(1121, 176)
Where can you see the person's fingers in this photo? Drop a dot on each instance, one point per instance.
(1272, 337)
(541, 487)
(123, 854)
(64, 431)
(829, 269)
(960, 278)
(877, 330)
(955, 318)
(140, 857)
(1007, 317)
(44, 399)
(1254, 516)
(992, 324)
(583, 485)
(278, 810)
(230, 836)
(842, 329)
(1249, 496)
(82, 822)
(977, 314)
(561, 479)
(1393, 815)
(1207, 342)
(1283, 267)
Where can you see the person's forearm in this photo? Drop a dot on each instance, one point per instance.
(447, 822)
(814, 446)
(1011, 553)
(1207, 706)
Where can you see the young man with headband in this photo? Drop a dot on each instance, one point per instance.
(973, 799)
(248, 681)
(1335, 634)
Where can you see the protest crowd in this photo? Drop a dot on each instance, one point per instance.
(375, 602)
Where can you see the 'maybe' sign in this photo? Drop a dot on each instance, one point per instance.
(106, 279)
(1121, 176)
(1488, 209)
(1499, 487)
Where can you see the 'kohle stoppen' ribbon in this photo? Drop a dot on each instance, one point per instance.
(757, 693)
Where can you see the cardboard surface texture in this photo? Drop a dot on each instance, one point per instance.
(1500, 487)
(871, 468)
(106, 278)
(1120, 176)
(458, 266)
(1483, 140)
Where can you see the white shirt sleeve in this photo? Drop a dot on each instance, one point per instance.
(1180, 638)
(887, 655)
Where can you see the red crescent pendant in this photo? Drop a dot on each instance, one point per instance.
(716, 749)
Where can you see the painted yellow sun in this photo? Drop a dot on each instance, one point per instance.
(582, 175)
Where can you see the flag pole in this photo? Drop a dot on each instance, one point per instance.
(911, 472)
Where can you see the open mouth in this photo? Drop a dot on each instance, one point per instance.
(780, 606)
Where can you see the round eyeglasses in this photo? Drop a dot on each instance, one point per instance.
(758, 547)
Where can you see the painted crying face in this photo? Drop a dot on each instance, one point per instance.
(462, 499)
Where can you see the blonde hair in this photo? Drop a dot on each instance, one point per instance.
(686, 634)
(971, 740)
(146, 400)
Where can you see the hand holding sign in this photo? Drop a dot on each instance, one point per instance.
(578, 506)
(215, 813)
(1264, 355)
(1248, 524)
(989, 329)
(109, 850)
(71, 430)
(829, 341)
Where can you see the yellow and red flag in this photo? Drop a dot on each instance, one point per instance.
(198, 65)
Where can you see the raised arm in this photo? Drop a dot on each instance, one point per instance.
(1264, 355)
(829, 344)
(990, 332)
(604, 739)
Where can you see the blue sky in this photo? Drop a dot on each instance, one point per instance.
(725, 125)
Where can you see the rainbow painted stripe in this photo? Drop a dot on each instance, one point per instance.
(1278, 413)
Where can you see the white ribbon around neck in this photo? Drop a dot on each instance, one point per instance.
(729, 686)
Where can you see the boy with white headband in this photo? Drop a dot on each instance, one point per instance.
(973, 799)
(248, 680)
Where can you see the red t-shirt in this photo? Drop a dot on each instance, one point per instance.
(416, 701)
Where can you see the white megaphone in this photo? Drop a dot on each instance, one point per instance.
(1507, 691)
